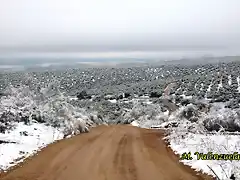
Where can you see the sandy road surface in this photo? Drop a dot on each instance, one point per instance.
(106, 153)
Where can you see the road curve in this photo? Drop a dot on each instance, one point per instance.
(106, 153)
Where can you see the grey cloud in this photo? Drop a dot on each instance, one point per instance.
(107, 25)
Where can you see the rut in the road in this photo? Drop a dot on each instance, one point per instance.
(106, 153)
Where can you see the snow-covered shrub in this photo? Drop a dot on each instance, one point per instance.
(6, 121)
(75, 127)
(226, 119)
(48, 105)
(190, 112)
(191, 118)
(146, 115)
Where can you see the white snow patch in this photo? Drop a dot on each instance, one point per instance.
(185, 97)
(209, 87)
(229, 80)
(73, 98)
(220, 85)
(195, 86)
(144, 97)
(238, 81)
(178, 89)
(220, 144)
(201, 87)
(135, 123)
(113, 101)
(38, 136)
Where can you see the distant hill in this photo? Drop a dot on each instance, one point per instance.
(41, 64)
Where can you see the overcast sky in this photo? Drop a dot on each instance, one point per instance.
(47, 26)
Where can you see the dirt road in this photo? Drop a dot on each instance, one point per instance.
(106, 153)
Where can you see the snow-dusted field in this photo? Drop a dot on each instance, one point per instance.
(194, 103)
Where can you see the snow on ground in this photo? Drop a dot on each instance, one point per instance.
(73, 98)
(201, 86)
(195, 86)
(209, 87)
(229, 80)
(28, 140)
(134, 123)
(238, 82)
(184, 140)
(215, 143)
(220, 85)
(113, 101)
(185, 97)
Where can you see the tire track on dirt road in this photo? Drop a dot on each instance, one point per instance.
(123, 159)
(117, 152)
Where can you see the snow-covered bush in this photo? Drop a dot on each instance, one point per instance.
(146, 115)
(48, 106)
(6, 123)
(218, 118)
(226, 119)
(195, 136)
